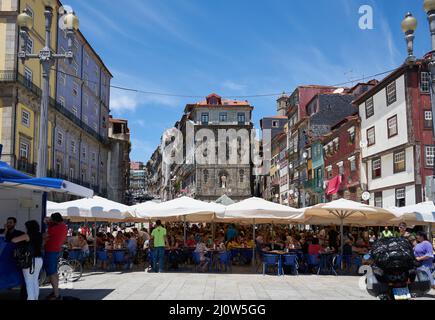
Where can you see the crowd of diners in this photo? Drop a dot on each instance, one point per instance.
(180, 242)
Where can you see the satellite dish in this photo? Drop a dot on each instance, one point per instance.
(366, 196)
(339, 90)
(363, 144)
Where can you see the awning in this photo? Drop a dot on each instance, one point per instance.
(11, 178)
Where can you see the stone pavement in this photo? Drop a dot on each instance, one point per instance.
(193, 286)
(197, 286)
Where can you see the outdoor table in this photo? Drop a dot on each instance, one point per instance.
(237, 252)
(326, 262)
(280, 253)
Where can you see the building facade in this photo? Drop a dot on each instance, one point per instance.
(78, 142)
(118, 174)
(396, 132)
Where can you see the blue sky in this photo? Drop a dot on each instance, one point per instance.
(236, 47)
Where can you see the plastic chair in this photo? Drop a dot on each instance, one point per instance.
(313, 261)
(337, 262)
(74, 255)
(291, 260)
(196, 260)
(270, 260)
(225, 260)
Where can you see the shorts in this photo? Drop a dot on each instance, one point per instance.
(51, 260)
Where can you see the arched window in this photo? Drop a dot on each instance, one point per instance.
(242, 176)
(205, 173)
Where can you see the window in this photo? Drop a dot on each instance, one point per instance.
(62, 102)
(204, 118)
(223, 117)
(84, 153)
(94, 156)
(75, 111)
(399, 161)
(242, 176)
(370, 108)
(428, 119)
(336, 144)
(392, 127)
(29, 46)
(59, 139)
(71, 173)
(430, 154)
(340, 168)
(29, 11)
(62, 77)
(378, 200)
(400, 197)
(86, 78)
(352, 161)
(275, 124)
(391, 93)
(24, 150)
(85, 119)
(73, 147)
(28, 77)
(205, 173)
(25, 118)
(75, 67)
(58, 167)
(424, 82)
(75, 90)
(329, 172)
(376, 168)
(86, 100)
(241, 119)
(371, 136)
(351, 135)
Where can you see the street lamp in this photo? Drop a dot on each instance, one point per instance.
(429, 7)
(409, 24)
(47, 59)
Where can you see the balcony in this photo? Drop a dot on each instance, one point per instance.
(26, 167)
(14, 76)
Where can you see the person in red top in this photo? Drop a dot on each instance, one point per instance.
(314, 248)
(54, 240)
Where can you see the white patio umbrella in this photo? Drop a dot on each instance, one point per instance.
(92, 209)
(181, 209)
(344, 211)
(417, 214)
(257, 210)
(422, 214)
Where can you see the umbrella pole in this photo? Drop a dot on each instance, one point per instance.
(213, 231)
(185, 231)
(95, 243)
(253, 248)
(341, 236)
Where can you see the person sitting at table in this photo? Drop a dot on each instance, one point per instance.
(327, 248)
(191, 243)
(119, 241)
(234, 243)
(80, 243)
(291, 243)
(202, 250)
(314, 248)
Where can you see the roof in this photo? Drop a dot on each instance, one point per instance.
(276, 117)
(118, 121)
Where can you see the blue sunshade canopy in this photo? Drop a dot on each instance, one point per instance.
(9, 177)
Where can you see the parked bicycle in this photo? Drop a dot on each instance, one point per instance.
(69, 270)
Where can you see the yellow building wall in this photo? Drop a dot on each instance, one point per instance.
(50, 145)
(38, 36)
(1, 121)
(26, 131)
(3, 23)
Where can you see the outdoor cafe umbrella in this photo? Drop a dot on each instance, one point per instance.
(182, 209)
(91, 209)
(417, 214)
(344, 211)
(257, 210)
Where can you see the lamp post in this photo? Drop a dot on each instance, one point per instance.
(47, 59)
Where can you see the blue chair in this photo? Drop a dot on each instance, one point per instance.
(291, 260)
(313, 260)
(74, 255)
(338, 262)
(271, 260)
(225, 260)
(196, 260)
(347, 259)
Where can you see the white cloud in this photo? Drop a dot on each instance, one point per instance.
(123, 102)
(231, 85)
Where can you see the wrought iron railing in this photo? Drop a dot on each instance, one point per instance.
(26, 167)
(13, 76)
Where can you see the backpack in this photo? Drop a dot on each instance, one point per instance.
(393, 253)
(24, 257)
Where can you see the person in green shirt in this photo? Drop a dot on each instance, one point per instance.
(386, 233)
(160, 242)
